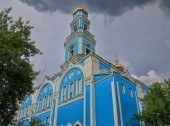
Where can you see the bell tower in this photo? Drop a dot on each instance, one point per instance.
(80, 42)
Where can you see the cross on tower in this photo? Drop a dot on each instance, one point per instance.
(116, 58)
(79, 2)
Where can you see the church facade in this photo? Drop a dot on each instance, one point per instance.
(88, 91)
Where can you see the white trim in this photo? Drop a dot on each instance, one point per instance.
(84, 106)
(120, 107)
(51, 113)
(114, 103)
(41, 112)
(91, 105)
(94, 113)
(69, 124)
(55, 113)
(72, 100)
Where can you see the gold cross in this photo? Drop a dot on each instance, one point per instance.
(116, 58)
(79, 2)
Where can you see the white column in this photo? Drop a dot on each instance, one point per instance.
(114, 103)
(92, 110)
(120, 108)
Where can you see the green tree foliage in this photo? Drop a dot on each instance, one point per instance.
(16, 72)
(35, 122)
(156, 104)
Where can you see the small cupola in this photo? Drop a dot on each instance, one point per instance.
(117, 64)
(79, 10)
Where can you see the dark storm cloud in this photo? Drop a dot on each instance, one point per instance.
(165, 5)
(111, 7)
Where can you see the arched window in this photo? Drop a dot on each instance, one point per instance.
(63, 93)
(88, 49)
(123, 88)
(45, 97)
(45, 103)
(71, 51)
(79, 86)
(71, 90)
(25, 107)
(71, 85)
(77, 123)
(50, 99)
(40, 106)
(131, 92)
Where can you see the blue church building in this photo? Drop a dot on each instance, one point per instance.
(88, 91)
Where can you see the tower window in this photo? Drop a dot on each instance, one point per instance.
(85, 27)
(71, 50)
(47, 121)
(75, 28)
(131, 92)
(88, 49)
(123, 89)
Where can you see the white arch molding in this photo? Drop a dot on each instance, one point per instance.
(69, 124)
(77, 123)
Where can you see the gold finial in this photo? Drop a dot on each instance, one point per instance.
(116, 58)
(117, 64)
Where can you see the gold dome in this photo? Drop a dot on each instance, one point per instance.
(79, 8)
(119, 66)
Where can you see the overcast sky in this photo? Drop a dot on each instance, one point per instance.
(137, 30)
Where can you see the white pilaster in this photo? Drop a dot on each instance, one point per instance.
(120, 107)
(114, 103)
(92, 111)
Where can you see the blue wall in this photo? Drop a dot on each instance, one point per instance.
(27, 101)
(25, 123)
(128, 103)
(103, 103)
(70, 113)
(45, 91)
(87, 103)
(71, 76)
(43, 116)
(103, 66)
(25, 107)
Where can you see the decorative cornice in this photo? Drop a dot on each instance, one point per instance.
(77, 34)
(79, 17)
